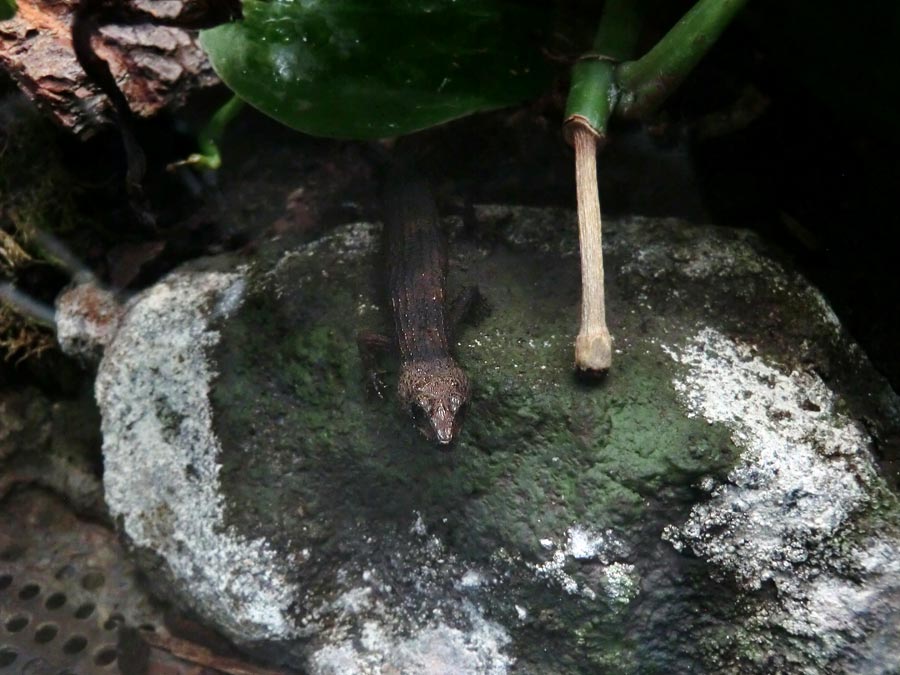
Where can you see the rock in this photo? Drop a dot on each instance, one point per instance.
(712, 507)
(87, 319)
(52, 443)
(24, 421)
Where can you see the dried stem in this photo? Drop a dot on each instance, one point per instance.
(204, 657)
(593, 346)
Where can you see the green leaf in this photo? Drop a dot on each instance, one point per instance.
(367, 69)
(7, 9)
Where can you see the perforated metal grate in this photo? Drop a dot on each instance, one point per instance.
(65, 590)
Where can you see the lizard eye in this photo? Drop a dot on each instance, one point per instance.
(418, 413)
(421, 418)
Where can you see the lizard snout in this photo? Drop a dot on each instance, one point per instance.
(444, 426)
(444, 436)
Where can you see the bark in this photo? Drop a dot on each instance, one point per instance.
(155, 66)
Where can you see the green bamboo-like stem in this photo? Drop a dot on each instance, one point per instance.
(648, 81)
(211, 135)
(600, 86)
(592, 95)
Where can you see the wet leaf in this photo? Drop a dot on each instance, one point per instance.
(376, 68)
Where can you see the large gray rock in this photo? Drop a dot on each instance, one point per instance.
(712, 507)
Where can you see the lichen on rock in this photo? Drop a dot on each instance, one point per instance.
(157, 429)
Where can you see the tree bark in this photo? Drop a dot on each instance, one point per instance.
(156, 67)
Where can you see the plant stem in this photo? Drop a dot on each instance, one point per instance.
(592, 98)
(634, 89)
(209, 137)
(592, 95)
(648, 81)
(593, 346)
(33, 310)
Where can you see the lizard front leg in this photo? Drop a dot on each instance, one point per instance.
(462, 307)
(372, 346)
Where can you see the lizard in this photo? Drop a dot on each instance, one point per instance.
(431, 386)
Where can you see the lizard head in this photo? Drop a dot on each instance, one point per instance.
(436, 394)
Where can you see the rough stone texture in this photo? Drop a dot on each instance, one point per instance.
(155, 66)
(713, 507)
(24, 417)
(167, 327)
(53, 444)
(87, 319)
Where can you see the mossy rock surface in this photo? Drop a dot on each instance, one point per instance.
(680, 516)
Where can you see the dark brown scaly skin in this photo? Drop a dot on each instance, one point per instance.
(431, 385)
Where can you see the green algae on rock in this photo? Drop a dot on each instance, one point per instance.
(313, 523)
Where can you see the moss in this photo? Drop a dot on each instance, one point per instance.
(36, 191)
(21, 339)
(540, 451)
(36, 194)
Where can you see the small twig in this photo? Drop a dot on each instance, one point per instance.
(27, 306)
(58, 253)
(201, 656)
(593, 346)
(85, 24)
